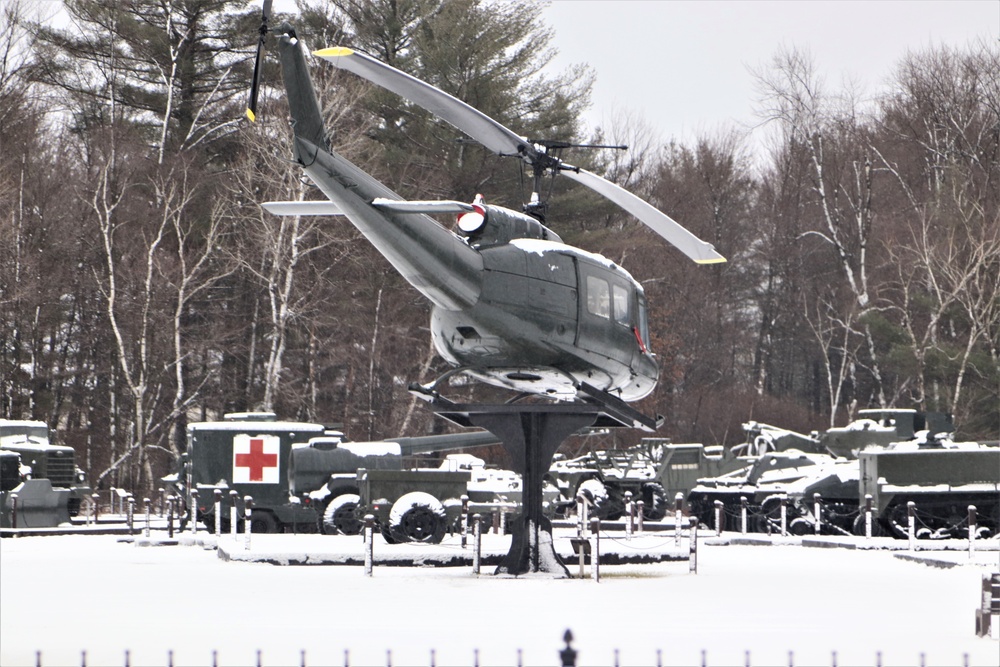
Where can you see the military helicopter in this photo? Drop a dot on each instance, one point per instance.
(512, 305)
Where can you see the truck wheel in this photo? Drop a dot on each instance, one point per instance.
(596, 493)
(417, 517)
(654, 502)
(263, 522)
(341, 515)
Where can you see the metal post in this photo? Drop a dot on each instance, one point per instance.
(693, 546)
(193, 512)
(147, 502)
(743, 515)
(678, 503)
(972, 530)
(477, 537)
(816, 512)
(640, 507)
(595, 551)
(868, 516)
(369, 530)
(784, 516)
(170, 517)
(629, 515)
(581, 516)
(718, 518)
(465, 520)
(97, 506)
(234, 518)
(496, 521)
(13, 518)
(247, 523)
(503, 521)
(131, 514)
(162, 494)
(218, 514)
(911, 508)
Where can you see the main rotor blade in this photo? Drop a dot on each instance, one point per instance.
(473, 122)
(257, 65)
(659, 222)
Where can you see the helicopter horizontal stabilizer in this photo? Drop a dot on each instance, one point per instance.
(399, 206)
(302, 208)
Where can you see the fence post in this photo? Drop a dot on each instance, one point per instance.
(743, 515)
(147, 502)
(97, 506)
(369, 539)
(972, 529)
(13, 518)
(477, 537)
(911, 511)
(629, 515)
(868, 516)
(234, 517)
(816, 512)
(693, 545)
(465, 521)
(131, 514)
(640, 508)
(170, 517)
(784, 516)
(718, 517)
(595, 552)
(218, 514)
(247, 527)
(567, 656)
(678, 503)
(581, 516)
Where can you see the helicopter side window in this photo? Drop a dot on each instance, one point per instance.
(621, 304)
(598, 297)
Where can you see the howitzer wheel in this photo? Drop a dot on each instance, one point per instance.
(654, 499)
(341, 515)
(417, 517)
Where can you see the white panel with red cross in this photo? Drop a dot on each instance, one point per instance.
(256, 459)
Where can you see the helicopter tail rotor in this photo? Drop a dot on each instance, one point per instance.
(257, 66)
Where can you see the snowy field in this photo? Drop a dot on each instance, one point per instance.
(762, 605)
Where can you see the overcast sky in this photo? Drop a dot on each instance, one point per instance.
(684, 66)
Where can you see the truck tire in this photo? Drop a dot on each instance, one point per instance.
(596, 494)
(341, 515)
(417, 517)
(263, 522)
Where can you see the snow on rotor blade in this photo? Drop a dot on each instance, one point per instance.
(302, 208)
(473, 122)
(399, 206)
(689, 244)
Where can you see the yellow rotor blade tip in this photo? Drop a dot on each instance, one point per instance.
(251, 116)
(333, 51)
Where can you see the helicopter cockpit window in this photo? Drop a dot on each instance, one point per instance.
(598, 297)
(621, 304)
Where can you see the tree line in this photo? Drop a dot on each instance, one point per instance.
(142, 287)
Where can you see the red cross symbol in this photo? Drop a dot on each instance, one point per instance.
(256, 460)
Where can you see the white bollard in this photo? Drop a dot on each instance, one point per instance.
(234, 518)
(595, 550)
(146, 502)
(718, 518)
(639, 514)
(369, 535)
(678, 503)
(218, 514)
(784, 516)
(868, 516)
(629, 515)
(743, 515)
(193, 512)
(972, 530)
(911, 510)
(693, 546)
(465, 521)
(247, 528)
(477, 539)
(816, 513)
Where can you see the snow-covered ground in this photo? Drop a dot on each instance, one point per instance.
(65, 594)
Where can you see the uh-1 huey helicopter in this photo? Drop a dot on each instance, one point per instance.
(512, 305)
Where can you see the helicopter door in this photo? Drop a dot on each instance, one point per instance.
(605, 314)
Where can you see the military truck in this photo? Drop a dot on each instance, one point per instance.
(294, 471)
(52, 487)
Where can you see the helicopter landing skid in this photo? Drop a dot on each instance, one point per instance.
(531, 433)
